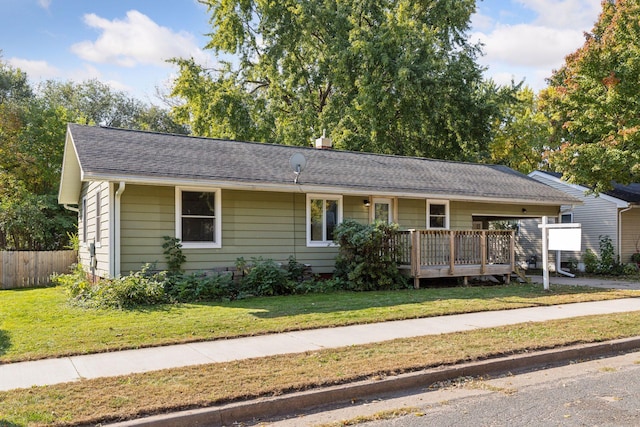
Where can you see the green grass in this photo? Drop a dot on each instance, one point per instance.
(39, 323)
(94, 402)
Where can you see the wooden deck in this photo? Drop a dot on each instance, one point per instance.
(455, 253)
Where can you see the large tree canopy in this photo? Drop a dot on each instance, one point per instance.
(594, 102)
(390, 76)
(32, 135)
(522, 134)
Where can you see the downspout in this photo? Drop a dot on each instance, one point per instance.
(558, 253)
(116, 229)
(70, 208)
(620, 212)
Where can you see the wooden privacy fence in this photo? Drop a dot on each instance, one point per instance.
(24, 269)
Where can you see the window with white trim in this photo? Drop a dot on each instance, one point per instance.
(438, 214)
(323, 214)
(198, 218)
(566, 218)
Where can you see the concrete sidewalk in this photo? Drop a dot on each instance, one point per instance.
(67, 369)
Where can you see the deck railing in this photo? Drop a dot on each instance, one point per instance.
(437, 253)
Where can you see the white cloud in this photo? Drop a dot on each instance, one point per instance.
(44, 4)
(529, 45)
(564, 14)
(36, 70)
(481, 22)
(136, 40)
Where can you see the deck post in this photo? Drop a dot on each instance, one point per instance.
(452, 253)
(414, 236)
(512, 251)
(483, 252)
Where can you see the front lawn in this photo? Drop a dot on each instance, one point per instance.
(39, 323)
(103, 400)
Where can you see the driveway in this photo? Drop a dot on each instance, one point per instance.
(596, 282)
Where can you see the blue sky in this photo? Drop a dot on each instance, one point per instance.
(125, 42)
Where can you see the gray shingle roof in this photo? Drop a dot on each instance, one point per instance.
(109, 153)
(627, 193)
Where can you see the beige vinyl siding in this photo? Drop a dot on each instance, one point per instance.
(598, 216)
(412, 213)
(630, 234)
(462, 213)
(89, 192)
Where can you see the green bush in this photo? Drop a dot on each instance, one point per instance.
(608, 261)
(266, 278)
(201, 286)
(590, 260)
(366, 261)
(172, 249)
(139, 288)
(630, 269)
(76, 283)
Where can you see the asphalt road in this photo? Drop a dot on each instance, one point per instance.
(603, 392)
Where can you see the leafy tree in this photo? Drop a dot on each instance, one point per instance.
(380, 75)
(522, 135)
(32, 135)
(594, 104)
(94, 102)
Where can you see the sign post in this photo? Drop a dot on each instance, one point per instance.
(558, 237)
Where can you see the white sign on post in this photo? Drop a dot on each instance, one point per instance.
(566, 237)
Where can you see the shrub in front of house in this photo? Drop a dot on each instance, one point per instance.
(366, 260)
(201, 286)
(143, 287)
(265, 277)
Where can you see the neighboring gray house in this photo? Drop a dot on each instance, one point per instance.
(613, 213)
(228, 199)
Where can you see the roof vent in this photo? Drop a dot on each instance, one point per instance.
(323, 142)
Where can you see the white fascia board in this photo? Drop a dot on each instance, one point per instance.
(618, 202)
(71, 174)
(303, 188)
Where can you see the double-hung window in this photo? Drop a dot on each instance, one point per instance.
(438, 214)
(198, 219)
(323, 214)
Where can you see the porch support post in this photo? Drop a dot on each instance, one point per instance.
(545, 254)
(414, 236)
(512, 251)
(483, 252)
(452, 252)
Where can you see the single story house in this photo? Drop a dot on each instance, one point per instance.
(228, 199)
(614, 213)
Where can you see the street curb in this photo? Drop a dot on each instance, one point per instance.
(271, 407)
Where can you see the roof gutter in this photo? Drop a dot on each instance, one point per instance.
(116, 252)
(71, 208)
(306, 188)
(620, 212)
(558, 253)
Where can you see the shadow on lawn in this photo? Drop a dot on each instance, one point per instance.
(4, 423)
(511, 296)
(5, 343)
